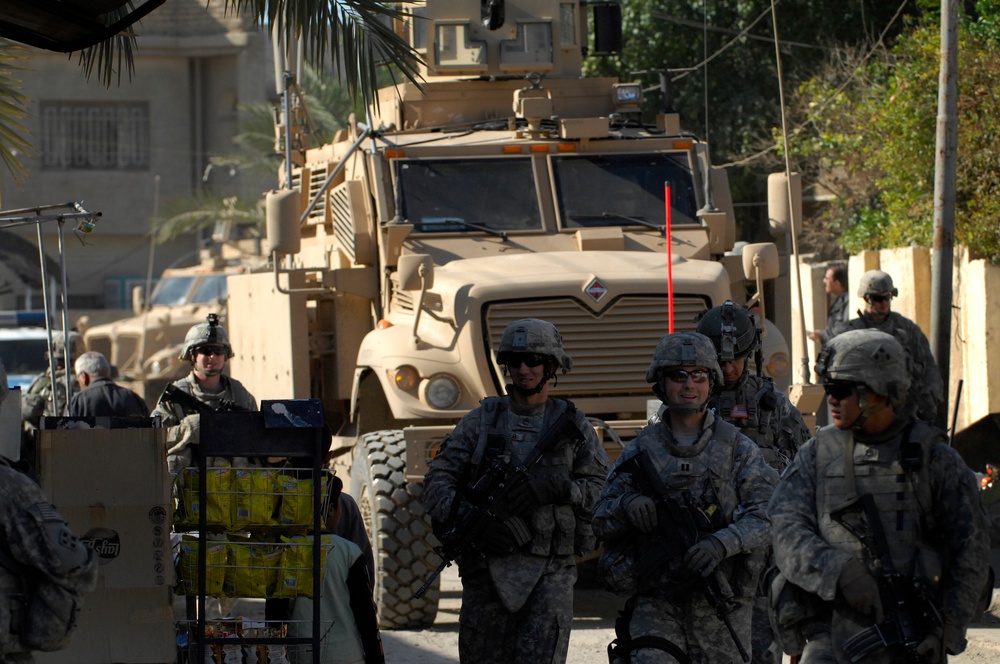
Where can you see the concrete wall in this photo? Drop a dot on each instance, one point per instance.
(975, 333)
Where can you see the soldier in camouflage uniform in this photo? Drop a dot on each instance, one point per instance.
(206, 347)
(927, 503)
(926, 386)
(34, 539)
(41, 399)
(751, 403)
(721, 477)
(517, 598)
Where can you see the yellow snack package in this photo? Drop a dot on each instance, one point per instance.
(220, 494)
(297, 500)
(215, 567)
(252, 570)
(295, 575)
(255, 497)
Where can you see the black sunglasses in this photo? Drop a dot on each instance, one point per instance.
(531, 359)
(680, 376)
(878, 299)
(839, 391)
(211, 350)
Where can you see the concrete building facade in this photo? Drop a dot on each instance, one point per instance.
(127, 149)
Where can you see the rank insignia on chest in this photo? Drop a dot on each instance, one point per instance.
(739, 411)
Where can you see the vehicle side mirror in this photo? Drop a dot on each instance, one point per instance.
(760, 261)
(415, 272)
(781, 215)
(138, 299)
(608, 28)
(282, 213)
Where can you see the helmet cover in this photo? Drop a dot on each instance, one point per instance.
(867, 357)
(731, 328)
(209, 332)
(876, 282)
(684, 349)
(533, 335)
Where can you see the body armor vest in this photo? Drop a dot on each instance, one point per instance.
(750, 407)
(901, 494)
(505, 433)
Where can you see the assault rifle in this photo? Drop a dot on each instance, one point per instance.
(174, 394)
(489, 493)
(678, 523)
(910, 612)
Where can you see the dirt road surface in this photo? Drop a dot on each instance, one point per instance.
(593, 628)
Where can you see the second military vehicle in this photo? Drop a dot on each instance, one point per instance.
(504, 187)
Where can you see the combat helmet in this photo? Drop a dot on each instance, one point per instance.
(209, 332)
(683, 349)
(867, 357)
(876, 282)
(533, 335)
(76, 347)
(731, 328)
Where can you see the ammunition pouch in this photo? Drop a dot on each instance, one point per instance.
(790, 610)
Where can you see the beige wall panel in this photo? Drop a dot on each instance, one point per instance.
(910, 269)
(269, 334)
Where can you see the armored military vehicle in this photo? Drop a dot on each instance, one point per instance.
(505, 186)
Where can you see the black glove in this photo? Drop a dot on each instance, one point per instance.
(497, 540)
(704, 556)
(537, 492)
(860, 589)
(641, 511)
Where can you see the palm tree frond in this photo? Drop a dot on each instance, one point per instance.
(13, 108)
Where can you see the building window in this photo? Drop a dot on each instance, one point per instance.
(95, 136)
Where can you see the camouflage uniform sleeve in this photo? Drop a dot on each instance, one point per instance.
(931, 386)
(590, 466)
(754, 481)
(449, 470)
(800, 551)
(610, 521)
(792, 430)
(961, 525)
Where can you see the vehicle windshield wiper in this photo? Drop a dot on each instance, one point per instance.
(478, 227)
(635, 220)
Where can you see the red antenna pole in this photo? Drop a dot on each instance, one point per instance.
(670, 264)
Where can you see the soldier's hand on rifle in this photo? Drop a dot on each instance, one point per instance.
(641, 511)
(537, 492)
(930, 648)
(501, 538)
(704, 556)
(860, 589)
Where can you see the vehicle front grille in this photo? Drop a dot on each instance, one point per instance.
(611, 350)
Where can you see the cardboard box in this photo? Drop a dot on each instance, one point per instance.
(113, 488)
(10, 424)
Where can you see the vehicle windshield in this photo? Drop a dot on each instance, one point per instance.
(24, 357)
(440, 195)
(210, 289)
(607, 190)
(171, 291)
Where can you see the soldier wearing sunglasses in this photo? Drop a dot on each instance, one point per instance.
(926, 393)
(718, 478)
(207, 349)
(844, 579)
(517, 586)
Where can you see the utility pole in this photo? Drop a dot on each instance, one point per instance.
(943, 254)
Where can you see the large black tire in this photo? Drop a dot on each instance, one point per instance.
(399, 528)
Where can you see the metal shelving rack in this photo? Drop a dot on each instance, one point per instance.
(282, 428)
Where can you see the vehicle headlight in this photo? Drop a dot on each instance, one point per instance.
(441, 391)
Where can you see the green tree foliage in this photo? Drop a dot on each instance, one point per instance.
(871, 132)
(733, 58)
(12, 110)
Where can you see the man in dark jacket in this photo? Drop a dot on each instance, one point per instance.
(99, 396)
